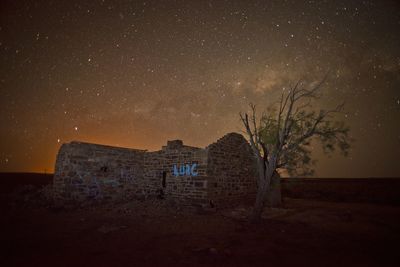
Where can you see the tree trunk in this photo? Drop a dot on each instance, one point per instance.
(267, 194)
(259, 205)
(273, 195)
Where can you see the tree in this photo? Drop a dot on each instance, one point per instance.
(282, 139)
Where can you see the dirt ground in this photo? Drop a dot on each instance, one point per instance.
(303, 232)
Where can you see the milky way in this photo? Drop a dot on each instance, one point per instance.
(137, 74)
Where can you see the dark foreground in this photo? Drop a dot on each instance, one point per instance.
(306, 231)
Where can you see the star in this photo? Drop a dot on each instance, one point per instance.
(138, 75)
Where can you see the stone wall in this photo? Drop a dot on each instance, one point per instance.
(96, 172)
(231, 171)
(220, 175)
(185, 188)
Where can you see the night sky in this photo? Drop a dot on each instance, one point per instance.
(136, 74)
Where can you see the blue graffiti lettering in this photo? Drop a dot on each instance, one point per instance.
(175, 171)
(193, 170)
(188, 169)
(182, 170)
(185, 169)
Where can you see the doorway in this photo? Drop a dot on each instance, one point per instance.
(164, 179)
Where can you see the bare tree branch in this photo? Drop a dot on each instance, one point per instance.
(317, 121)
(284, 139)
(245, 120)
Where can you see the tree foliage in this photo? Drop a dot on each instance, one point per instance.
(284, 134)
(286, 131)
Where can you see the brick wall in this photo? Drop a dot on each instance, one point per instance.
(221, 174)
(231, 171)
(89, 171)
(184, 188)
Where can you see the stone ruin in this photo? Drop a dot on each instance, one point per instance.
(220, 175)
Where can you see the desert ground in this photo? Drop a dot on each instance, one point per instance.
(323, 222)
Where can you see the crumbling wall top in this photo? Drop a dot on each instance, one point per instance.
(174, 144)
